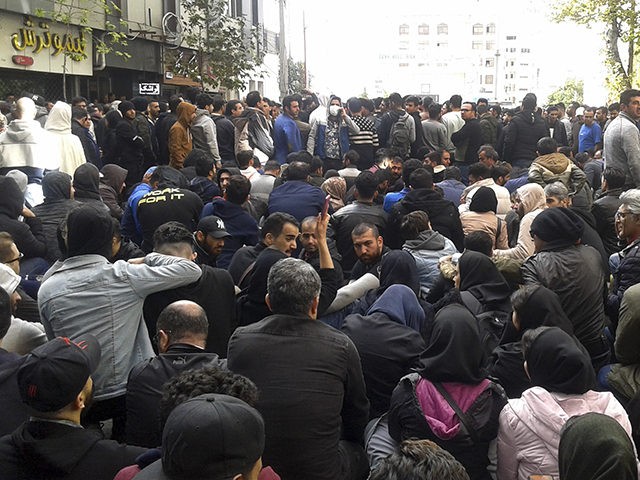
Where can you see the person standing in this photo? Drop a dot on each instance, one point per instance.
(622, 139)
(286, 134)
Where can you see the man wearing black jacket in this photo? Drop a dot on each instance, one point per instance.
(181, 334)
(521, 138)
(468, 139)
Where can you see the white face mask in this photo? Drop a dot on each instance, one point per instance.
(334, 110)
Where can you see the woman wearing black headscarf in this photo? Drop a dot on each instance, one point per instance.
(530, 426)
(56, 188)
(389, 343)
(481, 285)
(595, 447)
(450, 367)
(481, 217)
(533, 306)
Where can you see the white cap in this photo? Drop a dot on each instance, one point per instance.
(580, 111)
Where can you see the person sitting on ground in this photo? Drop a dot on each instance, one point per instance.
(181, 333)
(481, 216)
(480, 176)
(551, 166)
(55, 382)
(111, 188)
(420, 459)
(429, 404)
(594, 446)
(482, 287)
(563, 382)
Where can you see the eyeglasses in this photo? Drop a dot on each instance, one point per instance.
(465, 110)
(18, 258)
(623, 215)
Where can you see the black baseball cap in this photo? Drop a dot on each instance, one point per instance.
(214, 226)
(53, 374)
(212, 437)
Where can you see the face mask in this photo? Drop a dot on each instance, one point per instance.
(334, 110)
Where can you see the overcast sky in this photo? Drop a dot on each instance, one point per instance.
(344, 38)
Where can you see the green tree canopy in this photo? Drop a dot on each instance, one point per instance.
(571, 91)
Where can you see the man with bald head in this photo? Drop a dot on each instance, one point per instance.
(26, 146)
(181, 337)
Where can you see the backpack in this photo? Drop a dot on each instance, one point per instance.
(491, 323)
(399, 137)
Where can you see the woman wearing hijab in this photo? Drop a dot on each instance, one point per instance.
(533, 306)
(595, 447)
(389, 343)
(70, 147)
(86, 185)
(58, 202)
(111, 188)
(482, 217)
(482, 287)
(530, 426)
(336, 188)
(449, 400)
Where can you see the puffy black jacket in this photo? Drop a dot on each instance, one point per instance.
(604, 210)
(443, 216)
(144, 389)
(521, 137)
(627, 275)
(575, 274)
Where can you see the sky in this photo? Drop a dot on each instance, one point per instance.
(345, 36)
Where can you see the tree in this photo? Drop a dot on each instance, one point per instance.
(228, 51)
(296, 77)
(83, 14)
(619, 19)
(571, 91)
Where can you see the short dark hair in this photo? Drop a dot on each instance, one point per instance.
(286, 101)
(552, 108)
(174, 101)
(615, 106)
(419, 459)
(77, 100)
(201, 160)
(566, 151)
(5, 312)
(615, 177)
(435, 109)
(238, 189)
(253, 98)
(78, 113)
(413, 223)
(480, 170)
(409, 167)
(546, 145)
(352, 156)
(478, 241)
(473, 105)
(627, 95)
(455, 101)
(218, 102)
(489, 151)
(243, 158)
(452, 173)
(275, 222)
(203, 99)
(520, 297)
(367, 104)
(396, 99)
(412, 99)
(231, 106)
(501, 169)
(366, 185)
(363, 228)
(168, 235)
(298, 171)
(167, 176)
(354, 105)
(183, 320)
(435, 157)
(529, 101)
(193, 383)
(272, 165)
(316, 163)
(421, 178)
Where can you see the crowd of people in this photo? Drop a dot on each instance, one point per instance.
(319, 289)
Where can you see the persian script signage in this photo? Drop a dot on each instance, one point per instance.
(40, 45)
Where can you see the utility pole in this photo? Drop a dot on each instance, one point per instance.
(304, 38)
(282, 52)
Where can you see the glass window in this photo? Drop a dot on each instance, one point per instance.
(404, 29)
(491, 28)
(478, 29)
(423, 29)
(443, 29)
(488, 79)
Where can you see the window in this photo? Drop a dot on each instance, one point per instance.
(403, 65)
(489, 62)
(404, 29)
(478, 29)
(511, 37)
(476, 45)
(491, 45)
(491, 28)
(442, 44)
(423, 29)
(488, 79)
(525, 50)
(443, 29)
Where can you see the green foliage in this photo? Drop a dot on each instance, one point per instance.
(296, 77)
(620, 21)
(228, 49)
(571, 91)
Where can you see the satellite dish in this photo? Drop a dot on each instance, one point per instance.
(172, 28)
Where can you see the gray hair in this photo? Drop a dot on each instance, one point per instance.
(292, 286)
(557, 190)
(631, 198)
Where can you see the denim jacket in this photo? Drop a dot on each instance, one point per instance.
(87, 294)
